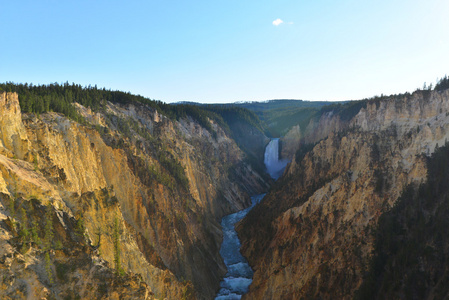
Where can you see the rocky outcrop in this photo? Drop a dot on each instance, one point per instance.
(249, 138)
(291, 142)
(45, 255)
(317, 129)
(13, 138)
(164, 184)
(312, 237)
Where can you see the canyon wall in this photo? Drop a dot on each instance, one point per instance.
(135, 180)
(316, 130)
(312, 235)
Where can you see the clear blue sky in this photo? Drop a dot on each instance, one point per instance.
(226, 51)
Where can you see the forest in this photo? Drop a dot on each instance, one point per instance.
(59, 98)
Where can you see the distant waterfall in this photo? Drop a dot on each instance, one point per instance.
(272, 153)
(275, 167)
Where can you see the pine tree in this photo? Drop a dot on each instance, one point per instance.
(48, 239)
(117, 251)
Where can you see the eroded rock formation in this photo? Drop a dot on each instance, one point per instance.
(156, 187)
(312, 237)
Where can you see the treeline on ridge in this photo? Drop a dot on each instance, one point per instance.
(59, 98)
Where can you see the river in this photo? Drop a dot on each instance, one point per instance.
(239, 276)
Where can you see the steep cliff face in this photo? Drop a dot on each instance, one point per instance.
(331, 118)
(122, 174)
(411, 242)
(316, 130)
(13, 140)
(249, 138)
(44, 254)
(312, 235)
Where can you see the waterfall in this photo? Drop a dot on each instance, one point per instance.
(275, 167)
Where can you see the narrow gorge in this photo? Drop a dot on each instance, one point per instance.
(109, 195)
(239, 275)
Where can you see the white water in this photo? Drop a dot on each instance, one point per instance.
(239, 276)
(275, 167)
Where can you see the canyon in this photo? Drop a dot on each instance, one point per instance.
(120, 192)
(132, 199)
(239, 275)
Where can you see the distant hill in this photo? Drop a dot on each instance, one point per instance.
(279, 115)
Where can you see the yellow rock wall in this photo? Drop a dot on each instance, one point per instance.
(317, 236)
(170, 236)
